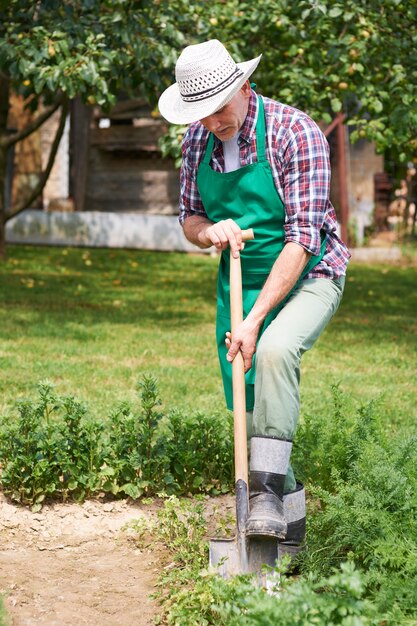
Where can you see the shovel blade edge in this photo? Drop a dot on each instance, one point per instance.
(224, 555)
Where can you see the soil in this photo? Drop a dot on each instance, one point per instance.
(75, 564)
(79, 564)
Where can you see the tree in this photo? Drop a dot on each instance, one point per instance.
(54, 50)
(328, 57)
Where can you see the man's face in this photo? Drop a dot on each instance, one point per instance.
(226, 122)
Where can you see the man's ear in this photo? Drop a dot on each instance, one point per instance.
(246, 89)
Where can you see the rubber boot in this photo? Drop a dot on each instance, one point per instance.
(269, 461)
(294, 505)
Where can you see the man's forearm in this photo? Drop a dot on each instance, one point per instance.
(285, 272)
(194, 228)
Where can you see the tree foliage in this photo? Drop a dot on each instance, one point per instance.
(86, 48)
(326, 57)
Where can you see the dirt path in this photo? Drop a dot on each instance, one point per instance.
(73, 565)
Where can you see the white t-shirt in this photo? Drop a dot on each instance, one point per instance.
(231, 154)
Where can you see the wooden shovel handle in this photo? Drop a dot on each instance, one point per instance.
(238, 368)
(247, 234)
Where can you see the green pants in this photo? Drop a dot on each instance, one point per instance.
(294, 331)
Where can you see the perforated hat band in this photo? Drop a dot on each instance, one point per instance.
(210, 82)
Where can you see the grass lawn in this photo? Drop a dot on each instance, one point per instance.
(93, 321)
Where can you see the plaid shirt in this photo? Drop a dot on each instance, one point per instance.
(299, 156)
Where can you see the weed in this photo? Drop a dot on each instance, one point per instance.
(190, 594)
(3, 616)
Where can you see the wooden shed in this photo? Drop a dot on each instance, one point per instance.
(116, 164)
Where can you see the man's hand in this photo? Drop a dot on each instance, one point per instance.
(225, 233)
(244, 340)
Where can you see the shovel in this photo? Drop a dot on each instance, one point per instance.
(241, 555)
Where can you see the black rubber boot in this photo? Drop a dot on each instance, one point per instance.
(269, 461)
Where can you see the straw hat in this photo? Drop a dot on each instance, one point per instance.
(207, 79)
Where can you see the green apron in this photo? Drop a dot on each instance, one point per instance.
(249, 197)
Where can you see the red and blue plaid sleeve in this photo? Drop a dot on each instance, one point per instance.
(193, 147)
(306, 184)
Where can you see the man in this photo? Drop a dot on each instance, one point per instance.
(251, 162)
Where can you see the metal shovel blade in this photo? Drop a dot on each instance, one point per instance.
(225, 556)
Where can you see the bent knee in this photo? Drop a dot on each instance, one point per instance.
(276, 350)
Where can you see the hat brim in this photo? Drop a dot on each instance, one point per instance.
(175, 110)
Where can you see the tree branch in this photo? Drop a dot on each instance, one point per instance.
(9, 140)
(45, 174)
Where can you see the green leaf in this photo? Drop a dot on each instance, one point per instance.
(335, 12)
(132, 490)
(108, 471)
(336, 105)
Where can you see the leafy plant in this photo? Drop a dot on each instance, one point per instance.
(54, 450)
(136, 461)
(149, 451)
(49, 451)
(337, 599)
(80, 454)
(200, 449)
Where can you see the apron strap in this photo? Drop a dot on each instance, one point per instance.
(260, 131)
(209, 149)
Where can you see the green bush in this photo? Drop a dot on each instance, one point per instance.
(50, 450)
(53, 450)
(363, 503)
(200, 449)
